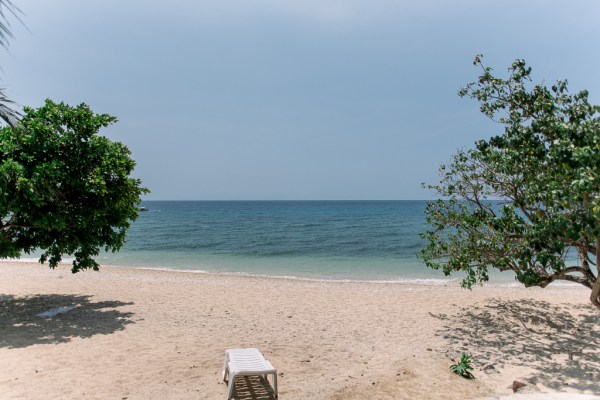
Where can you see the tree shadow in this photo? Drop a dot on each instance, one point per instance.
(561, 342)
(21, 326)
(252, 388)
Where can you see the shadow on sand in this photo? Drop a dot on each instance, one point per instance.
(21, 327)
(252, 388)
(561, 342)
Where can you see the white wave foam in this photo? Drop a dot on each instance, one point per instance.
(20, 260)
(401, 281)
(33, 260)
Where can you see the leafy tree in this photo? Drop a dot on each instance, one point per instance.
(6, 7)
(7, 113)
(524, 200)
(63, 188)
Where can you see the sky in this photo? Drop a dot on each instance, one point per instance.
(291, 100)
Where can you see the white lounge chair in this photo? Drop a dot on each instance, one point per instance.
(247, 362)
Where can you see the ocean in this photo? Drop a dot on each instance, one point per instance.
(323, 240)
(340, 240)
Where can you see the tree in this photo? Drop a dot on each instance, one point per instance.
(63, 188)
(7, 113)
(527, 199)
(7, 7)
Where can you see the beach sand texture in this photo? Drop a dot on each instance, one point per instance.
(150, 334)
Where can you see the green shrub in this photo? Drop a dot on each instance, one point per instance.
(463, 367)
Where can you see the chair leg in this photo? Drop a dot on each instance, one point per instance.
(230, 387)
(275, 385)
(225, 369)
(225, 373)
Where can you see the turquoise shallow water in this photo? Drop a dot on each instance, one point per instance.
(357, 240)
(372, 240)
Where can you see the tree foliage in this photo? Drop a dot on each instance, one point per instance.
(7, 112)
(7, 8)
(64, 189)
(525, 199)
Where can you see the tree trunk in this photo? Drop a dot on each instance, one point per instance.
(595, 296)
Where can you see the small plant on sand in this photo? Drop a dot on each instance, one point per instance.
(463, 367)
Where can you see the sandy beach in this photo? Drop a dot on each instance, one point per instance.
(152, 334)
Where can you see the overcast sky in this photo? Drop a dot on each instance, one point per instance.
(301, 99)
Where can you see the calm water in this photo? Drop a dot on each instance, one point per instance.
(367, 240)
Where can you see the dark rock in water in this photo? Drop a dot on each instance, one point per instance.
(516, 386)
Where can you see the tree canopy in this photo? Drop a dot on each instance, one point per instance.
(64, 189)
(7, 112)
(526, 200)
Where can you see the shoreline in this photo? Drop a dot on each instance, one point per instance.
(161, 334)
(442, 281)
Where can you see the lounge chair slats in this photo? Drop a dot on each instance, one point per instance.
(247, 362)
